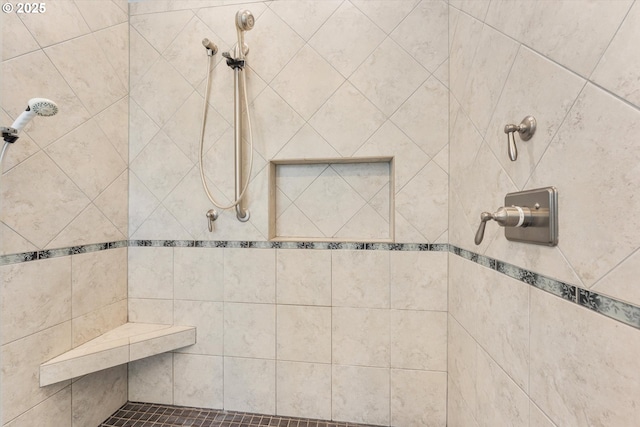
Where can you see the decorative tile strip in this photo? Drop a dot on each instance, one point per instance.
(437, 247)
(18, 258)
(59, 252)
(618, 310)
(621, 311)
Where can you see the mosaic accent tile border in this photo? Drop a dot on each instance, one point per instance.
(618, 310)
(54, 253)
(621, 311)
(154, 415)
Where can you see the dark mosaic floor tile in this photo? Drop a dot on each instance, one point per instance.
(135, 414)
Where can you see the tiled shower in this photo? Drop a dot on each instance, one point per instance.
(384, 312)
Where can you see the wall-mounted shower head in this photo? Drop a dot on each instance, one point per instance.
(244, 20)
(211, 47)
(37, 107)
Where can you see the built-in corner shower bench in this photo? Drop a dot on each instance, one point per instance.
(124, 344)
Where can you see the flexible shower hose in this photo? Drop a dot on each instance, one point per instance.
(204, 118)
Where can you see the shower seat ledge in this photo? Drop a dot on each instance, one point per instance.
(124, 344)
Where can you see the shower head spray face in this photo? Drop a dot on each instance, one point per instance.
(244, 20)
(43, 107)
(37, 107)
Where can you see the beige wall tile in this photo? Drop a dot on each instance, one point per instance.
(363, 33)
(462, 367)
(608, 391)
(198, 381)
(145, 310)
(98, 280)
(207, 318)
(35, 296)
(250, 330)
(304, 390)
(360, 394)
(96, 323)
(303, 277)
(96, 396)
(418, 398)
(21, 361)
(360, 336)
(150, 272)
(500, 401)
(151, 379)
(63, 22)
(53, 412)
(418, 280)
(304, 333)
(419, 340)
(197, 274)
(250, 385)
(250, 275)
(360, 279)
(82, 56)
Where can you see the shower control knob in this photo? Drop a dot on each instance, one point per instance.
(525, 129)
(511, 216)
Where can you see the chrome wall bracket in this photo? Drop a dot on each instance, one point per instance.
(527, 216)
(525, 129)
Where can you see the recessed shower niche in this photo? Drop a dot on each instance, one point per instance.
(339, 199)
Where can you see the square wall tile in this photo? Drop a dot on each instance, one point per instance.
(418, 280)
(207, 317)
(419, 340)
(250, 385)
(351, 24)
(418, 398)
(198, 381)
(604, 387)
(150, 272)
(360, 394)
(35, 296)
(500, 401)
(69, 24)
(81, 57)
(250, 275)
(198, 274)
(144, 310)
(151, 379)
(96, 323)
(458, 412)
(53, 412)
(250, 330)
(360, 336)
(360, 279)
(21, 361)
(304, 333)
(98, 279)
(462, 366)
(96, 396)
(303, 277)
(304, 390)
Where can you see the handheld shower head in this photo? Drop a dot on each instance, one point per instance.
(36, 107)
(244, 20)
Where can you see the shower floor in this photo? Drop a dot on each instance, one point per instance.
(134, 414)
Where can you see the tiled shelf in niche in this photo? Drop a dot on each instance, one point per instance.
(334, 200)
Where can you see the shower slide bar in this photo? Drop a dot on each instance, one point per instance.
(236, 61)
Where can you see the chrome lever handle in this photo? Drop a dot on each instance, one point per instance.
(484, 217)
(510, 130)
(212, 215)
(526, 129)
(511, 216)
